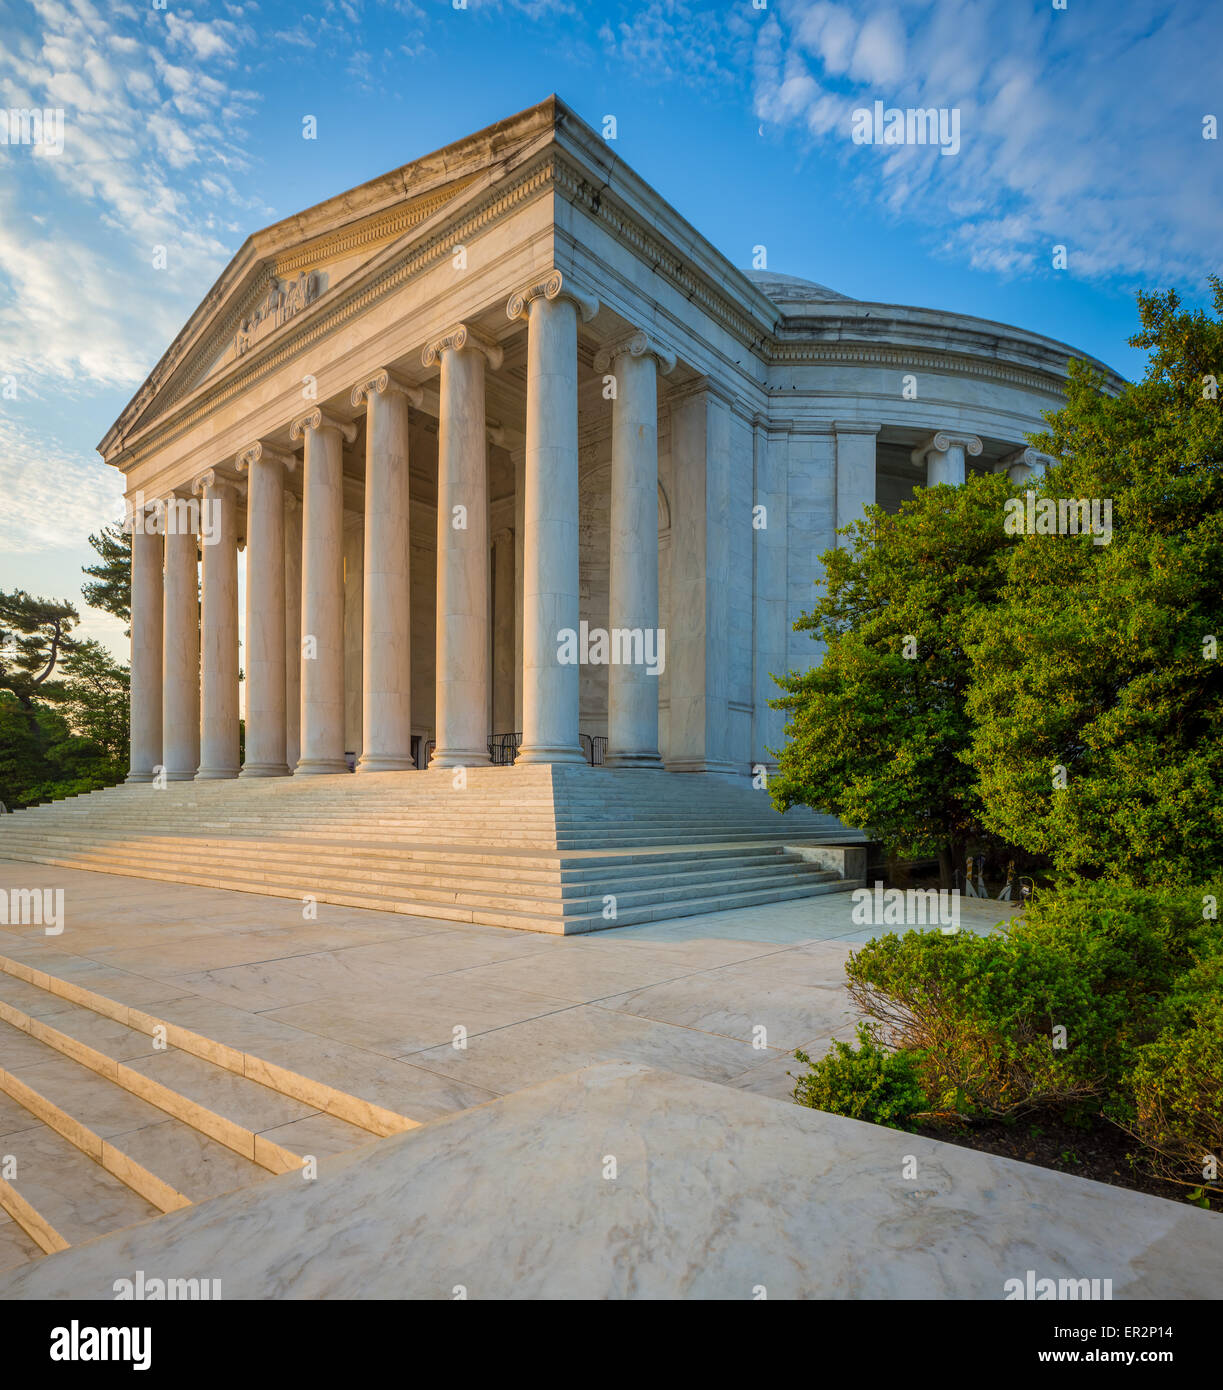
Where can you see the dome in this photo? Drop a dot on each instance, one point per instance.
(785, 290)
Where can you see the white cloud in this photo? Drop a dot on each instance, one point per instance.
(1063, 121)
(52, 495)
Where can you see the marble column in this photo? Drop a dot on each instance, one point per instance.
(632, 691)
(550, 690)
(322, 679)
(265, 610)
(1024, 466)
(504, 663)
(180, 699)
(944, 456)
(293, 628)
(855, 472)
(145, 701)
(386, 700)
(463, 650)
(218, 627)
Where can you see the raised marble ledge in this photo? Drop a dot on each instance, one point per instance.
(717, 1192)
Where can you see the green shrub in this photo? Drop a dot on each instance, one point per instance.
(1178, 1082)
(865, 1083)
(1048, 1014)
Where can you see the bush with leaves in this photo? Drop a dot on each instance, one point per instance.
(867, 1082)
(1049, 1014)
(1178, 1078)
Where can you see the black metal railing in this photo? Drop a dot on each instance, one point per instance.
(503, 748)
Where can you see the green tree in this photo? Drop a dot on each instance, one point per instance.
(1103, 659)
(95, 704)
(877, 729)
(35, 636)
(111, 586)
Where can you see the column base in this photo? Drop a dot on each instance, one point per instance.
(320, 767)
(457, 757)
(135, 778)
(264, 770)
(180, 776)
(215, 774)
(651, 761)
(377, 762)
(549, 753)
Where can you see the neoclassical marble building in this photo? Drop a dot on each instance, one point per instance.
(500, 394)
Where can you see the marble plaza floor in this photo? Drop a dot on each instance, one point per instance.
(370, 1001)
(664, 1047)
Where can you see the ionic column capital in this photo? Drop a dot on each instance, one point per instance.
(942, 441)
(1030, 457)
(636, 344)
(458, 338)
(138, 511)
(552, 285)
(320, 419)
(382, 381)
(258, 451)
(210, 478)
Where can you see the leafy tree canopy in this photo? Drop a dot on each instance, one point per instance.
(1103, 659)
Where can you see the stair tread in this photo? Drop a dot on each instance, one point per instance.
(77, 1196)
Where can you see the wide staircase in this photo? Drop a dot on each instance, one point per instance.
(547, 848)
(110, 1115)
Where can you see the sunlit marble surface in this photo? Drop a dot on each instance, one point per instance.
(715, 1193)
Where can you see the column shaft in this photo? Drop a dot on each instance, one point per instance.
(632, 691)
(265, 618)
(550, 535)
(293, 628)
(946, 466)
(219, 631)
(180, 709)
(386, 705)
(145, 701)
(322, 680)
(462, 563)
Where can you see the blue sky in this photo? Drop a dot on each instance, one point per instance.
(1080, 126)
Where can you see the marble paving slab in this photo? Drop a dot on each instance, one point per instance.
(716, 1193)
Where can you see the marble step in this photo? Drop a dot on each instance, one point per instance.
(460, 810)
(56, 993)
(471, 831)
(423, 872)
(17, 1247)
(167, 1161)
(95, 1088)
(109, 1124)
(665, 881)
(427, 859)
(501, 917)
(59, 1195)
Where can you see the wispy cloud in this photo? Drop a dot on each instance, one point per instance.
(1058, 142)
(152, 140)
(53, 496)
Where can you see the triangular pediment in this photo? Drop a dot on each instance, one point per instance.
(286, 270)
(282, 285)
